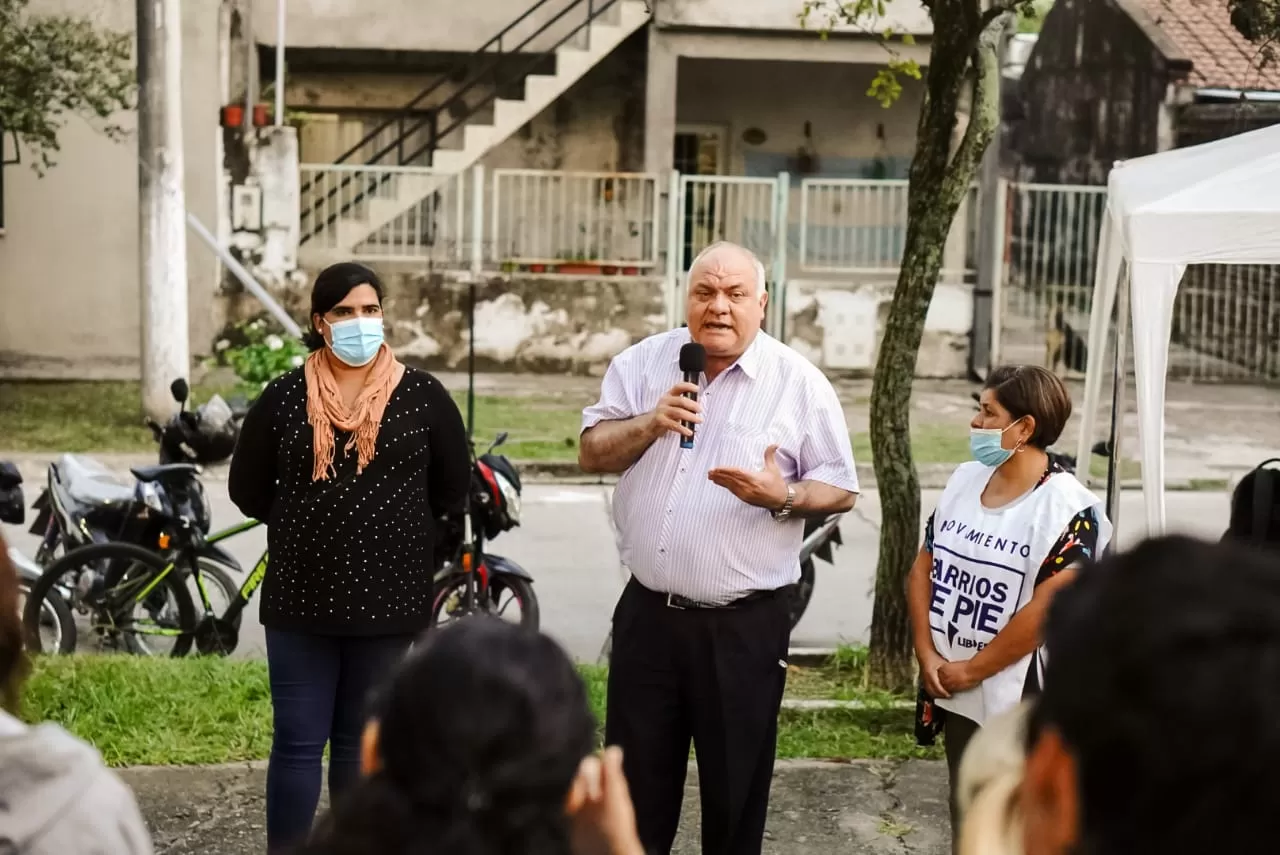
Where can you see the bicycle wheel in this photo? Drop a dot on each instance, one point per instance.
(106, 582)
(221, 589)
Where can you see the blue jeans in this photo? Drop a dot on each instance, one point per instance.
(319, 688)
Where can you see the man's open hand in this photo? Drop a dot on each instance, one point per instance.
(764, 488)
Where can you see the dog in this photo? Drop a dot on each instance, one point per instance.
(1064, 347)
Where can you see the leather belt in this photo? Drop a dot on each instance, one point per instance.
(675, 601)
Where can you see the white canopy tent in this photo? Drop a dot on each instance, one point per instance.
(1217, 203)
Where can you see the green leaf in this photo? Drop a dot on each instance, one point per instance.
(54, 65)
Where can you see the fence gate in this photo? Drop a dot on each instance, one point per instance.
(704, 209)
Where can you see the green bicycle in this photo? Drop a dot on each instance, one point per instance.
(135, 598)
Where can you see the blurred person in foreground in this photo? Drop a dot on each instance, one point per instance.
(482, 744)
(1158, 730)
(56, 796)
(1007, 532)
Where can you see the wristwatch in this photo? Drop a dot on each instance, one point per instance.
(784, 513)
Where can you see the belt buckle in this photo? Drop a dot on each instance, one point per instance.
(671, 603)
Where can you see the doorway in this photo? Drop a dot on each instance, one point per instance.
(699, 150)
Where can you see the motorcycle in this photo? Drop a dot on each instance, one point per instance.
(471, 580)
(13, 511)
(819, 537)
(85, 503)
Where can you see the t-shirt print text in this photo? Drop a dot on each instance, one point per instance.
(974, 591)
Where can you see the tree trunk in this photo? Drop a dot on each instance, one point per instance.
(964, 40)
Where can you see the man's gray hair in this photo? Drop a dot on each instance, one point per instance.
(761, 279)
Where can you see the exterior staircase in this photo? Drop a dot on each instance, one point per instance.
(401, 162)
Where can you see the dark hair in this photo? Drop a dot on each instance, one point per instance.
(1163, 677)
(13, 658)
(1029, 390)
(332, 287)
(481, 732)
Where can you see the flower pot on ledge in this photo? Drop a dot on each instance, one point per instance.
(580, 269)
(232, 115)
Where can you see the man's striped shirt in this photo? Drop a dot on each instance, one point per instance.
(678, 532)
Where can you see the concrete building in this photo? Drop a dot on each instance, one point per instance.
(69, 254)
(397, 100)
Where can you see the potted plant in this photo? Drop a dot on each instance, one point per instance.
(580, 266)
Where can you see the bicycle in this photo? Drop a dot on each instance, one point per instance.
(124, 577)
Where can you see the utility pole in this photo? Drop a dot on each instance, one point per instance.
(162, 204)
(986, 314)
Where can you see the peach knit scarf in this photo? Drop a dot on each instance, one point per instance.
(326, 410)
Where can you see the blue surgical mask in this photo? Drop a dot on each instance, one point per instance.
(984, 445)
(356, 342)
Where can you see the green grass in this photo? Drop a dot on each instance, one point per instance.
(76, 416)
(540, 428)
(1130, 470)
(106, 417)
(930, 443)
(140, 711)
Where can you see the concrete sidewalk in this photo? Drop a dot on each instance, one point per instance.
(818, 808)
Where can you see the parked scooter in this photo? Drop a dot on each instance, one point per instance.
(13, 510)
(819, 537)
(497, 582)
(86, 503)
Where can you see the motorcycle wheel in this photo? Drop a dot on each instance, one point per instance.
(446, 608)
(799, 594)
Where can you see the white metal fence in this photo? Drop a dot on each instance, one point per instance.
(542, 218)
(1226, 319)
(851, 225)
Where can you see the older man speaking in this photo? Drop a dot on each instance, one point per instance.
(711, 535)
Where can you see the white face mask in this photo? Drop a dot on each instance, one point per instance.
(357, 341)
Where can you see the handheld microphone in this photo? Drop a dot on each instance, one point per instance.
(693, 361)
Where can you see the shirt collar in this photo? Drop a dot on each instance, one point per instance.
(749, 361)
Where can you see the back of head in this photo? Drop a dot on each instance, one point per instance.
(481, 733)
(1162, 682)
(989, 781)
(1255, 507)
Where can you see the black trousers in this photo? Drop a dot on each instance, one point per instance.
(957, 732)
(713, 676)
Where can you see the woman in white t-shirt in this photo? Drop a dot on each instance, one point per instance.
(1004, 537)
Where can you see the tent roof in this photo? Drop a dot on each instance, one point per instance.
(1212, 203)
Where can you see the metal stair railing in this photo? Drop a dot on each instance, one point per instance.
(494, 48)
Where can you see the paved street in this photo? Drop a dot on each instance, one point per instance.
(567, 543)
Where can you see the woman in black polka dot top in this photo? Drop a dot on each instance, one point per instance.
(349, 459)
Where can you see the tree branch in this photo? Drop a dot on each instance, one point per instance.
(984, 116)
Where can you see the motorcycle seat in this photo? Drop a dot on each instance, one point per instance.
(89, 483)
(162, 471)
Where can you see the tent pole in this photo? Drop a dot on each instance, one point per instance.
(1118, 403)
